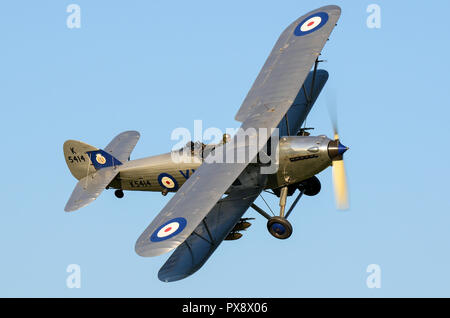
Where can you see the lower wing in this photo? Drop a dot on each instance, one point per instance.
(201, 244)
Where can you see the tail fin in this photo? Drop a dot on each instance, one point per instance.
(95, 168)
(83, 159)
(77, 158)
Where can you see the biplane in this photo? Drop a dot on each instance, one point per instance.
(211, 196)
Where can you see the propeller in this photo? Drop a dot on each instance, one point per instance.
(336, 151)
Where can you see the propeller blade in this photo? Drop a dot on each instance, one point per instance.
(336, 135)
(336, 151)
(340, 185)
(332, 111)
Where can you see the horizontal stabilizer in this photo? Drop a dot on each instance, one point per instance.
(122, 145)
(90, 187)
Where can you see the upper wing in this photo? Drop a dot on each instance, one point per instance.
(265, 105)
(288, 64)
(302, 104)
(122, 145)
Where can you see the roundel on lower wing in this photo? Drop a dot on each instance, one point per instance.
(311, 23)
(167, 181)
(168, 230)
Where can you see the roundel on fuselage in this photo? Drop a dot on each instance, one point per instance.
(168, 182)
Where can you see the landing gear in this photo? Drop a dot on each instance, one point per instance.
(278, 226)
(119, 193)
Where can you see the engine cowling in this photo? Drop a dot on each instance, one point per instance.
(300, 158)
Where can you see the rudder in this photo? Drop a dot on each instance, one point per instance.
(77, 158)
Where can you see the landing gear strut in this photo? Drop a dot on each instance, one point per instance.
(119, 193)
(279, 226)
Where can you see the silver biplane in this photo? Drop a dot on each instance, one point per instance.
(211, 196)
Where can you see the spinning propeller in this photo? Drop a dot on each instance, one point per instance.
(336, 151)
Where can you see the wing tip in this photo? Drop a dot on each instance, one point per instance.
(145, 248)
(167, 278)
(138, 250)
(142, 249)
(74, 206)
(331, 7)
(70, 207)
(134, 133)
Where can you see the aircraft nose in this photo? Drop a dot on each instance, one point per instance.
(341, 149)
(336, 149)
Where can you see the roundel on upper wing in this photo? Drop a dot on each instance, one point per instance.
(168, 230)
(311, 23)
(167, 181)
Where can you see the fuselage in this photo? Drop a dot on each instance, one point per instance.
(299, 158)
(154, 173)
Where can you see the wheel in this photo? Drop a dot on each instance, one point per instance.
(312, 186)
(279, 227)
(119, 194)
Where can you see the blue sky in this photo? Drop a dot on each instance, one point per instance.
(153, 66)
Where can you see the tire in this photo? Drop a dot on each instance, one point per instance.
(119, 194)
(279, 227)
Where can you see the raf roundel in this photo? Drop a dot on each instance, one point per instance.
(167, 181)
(311, 23)
(168, 230)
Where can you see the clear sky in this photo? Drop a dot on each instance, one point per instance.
(153, 66)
